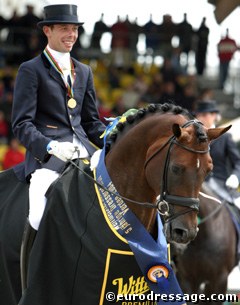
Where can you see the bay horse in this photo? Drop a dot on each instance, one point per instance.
(203, 266)
(157, 160)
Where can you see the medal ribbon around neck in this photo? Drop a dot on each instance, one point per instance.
(59, 70)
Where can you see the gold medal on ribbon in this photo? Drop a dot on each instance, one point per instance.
(72, 103)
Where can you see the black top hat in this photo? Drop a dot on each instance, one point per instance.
(60, 14)
(206, 106)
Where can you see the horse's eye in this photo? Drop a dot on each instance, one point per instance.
(178, 169)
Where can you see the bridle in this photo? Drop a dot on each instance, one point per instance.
(164, 199)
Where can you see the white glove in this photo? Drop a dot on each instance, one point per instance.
(95, 159)
(61, 150)
(232, 182)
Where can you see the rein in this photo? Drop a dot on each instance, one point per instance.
(213, 213)
(145, 204)
(162, 203)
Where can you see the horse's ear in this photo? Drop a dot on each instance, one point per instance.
(176, 129)
(214, 133)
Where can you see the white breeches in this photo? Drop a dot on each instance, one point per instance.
(40, 181)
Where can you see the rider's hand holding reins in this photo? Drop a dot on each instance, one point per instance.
(61, 150)
(232, 182)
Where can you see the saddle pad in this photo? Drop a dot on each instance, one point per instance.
(76, 256)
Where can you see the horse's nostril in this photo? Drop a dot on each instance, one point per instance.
(180, 232)
(180, 235)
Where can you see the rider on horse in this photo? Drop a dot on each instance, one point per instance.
(54, 110)
(225, 177)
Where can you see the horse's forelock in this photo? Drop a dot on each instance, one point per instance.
(201, 133)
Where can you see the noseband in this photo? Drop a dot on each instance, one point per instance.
(164, 199)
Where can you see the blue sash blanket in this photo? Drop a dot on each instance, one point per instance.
(151, 255)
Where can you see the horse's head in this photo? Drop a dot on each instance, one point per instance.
(185, 162)
(159, 163)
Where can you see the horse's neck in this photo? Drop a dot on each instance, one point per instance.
(130, 183)
(125, 161)
(125, 164)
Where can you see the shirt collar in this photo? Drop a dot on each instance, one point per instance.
(63, 59)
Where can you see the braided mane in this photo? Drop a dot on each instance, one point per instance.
(142, 112)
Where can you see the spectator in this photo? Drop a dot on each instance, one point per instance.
(226, 49)
(15, 36)
(151, 32)
(185, 33)
(202, 44)
(206, 94)
(140, 84)
(154, 92)
(168, 92)
(130, 96)
(28, 22)
(120, 44)
(120, 35)
(134, 31)
(2, 90)
(4, 129)
(167, 30)
(99, 29)
(119, 107)
(14, 155)
(34, 46)
(104, 111)
(6, 105)
(114, 76)
(3, 23)
(168, 71)
(188, 97)
(8, 78)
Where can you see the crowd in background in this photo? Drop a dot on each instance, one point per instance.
(24, 39)
(121, 82)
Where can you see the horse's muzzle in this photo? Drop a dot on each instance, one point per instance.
(179, 234)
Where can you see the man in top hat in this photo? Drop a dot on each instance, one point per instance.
(54, 111)
(225, 177)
